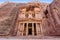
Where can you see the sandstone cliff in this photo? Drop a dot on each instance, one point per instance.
(54, 18)
(8, 16)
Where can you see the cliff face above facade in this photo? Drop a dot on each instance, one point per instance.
(54, 17)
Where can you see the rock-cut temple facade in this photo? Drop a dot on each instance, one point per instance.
(30, 19)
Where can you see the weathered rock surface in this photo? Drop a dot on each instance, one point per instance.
(54, 18)
(7, 18)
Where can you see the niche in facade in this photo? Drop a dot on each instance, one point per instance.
(46, 13)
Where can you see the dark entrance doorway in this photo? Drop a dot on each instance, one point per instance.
(30, 29)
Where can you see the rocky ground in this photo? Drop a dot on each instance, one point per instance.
(31, 38)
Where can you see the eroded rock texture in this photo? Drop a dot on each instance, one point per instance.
(7, 18)
(54, 18)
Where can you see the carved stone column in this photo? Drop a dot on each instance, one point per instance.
(39, 29)
(33, 29)
(27, 29)
(36, 28)
(22, 29)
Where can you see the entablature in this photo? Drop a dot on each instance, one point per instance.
(30, 20)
